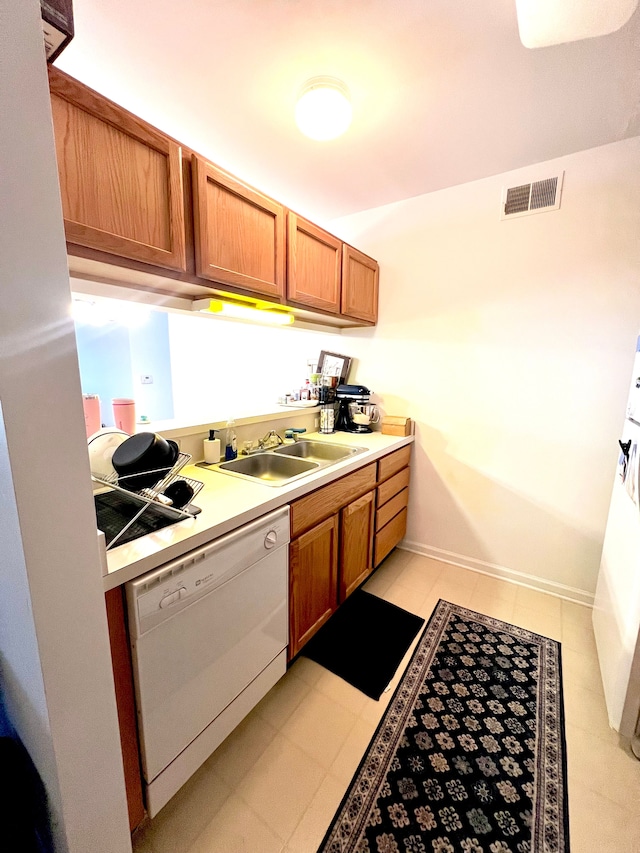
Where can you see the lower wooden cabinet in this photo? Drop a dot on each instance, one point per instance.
(339, 534)
(125, 700)
(313, 574)
(392, 498)
(389, 536)
(326, 564)
(356, 543)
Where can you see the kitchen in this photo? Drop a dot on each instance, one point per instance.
(496, 368)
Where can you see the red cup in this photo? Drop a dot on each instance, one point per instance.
(124, 414)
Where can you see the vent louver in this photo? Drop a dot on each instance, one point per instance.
(536, 197)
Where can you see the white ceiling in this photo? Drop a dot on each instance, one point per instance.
(443, 91)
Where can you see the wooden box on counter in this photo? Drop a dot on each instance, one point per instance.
(394, 425)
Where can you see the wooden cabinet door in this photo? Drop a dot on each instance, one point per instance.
(356, 543)
(359, 285)
(313, 571)
(120, 178)
(314, 265)
(239, 232)
(125, 701)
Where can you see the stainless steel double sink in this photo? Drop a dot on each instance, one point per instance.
(280, 466)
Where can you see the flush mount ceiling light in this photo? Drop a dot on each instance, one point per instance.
(546, 22)
(323, 110)
(254, 314)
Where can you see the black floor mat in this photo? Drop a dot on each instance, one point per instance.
(364, 641)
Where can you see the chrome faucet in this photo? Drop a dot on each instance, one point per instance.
(271, 439)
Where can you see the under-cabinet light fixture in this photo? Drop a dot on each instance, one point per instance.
(243, 312)
(323, 110)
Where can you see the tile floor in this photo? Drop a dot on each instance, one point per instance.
(275, 783)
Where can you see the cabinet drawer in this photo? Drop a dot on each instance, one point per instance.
(388, 465)
(389, 536)
(329, 499)
(391, 508)
(392, 486)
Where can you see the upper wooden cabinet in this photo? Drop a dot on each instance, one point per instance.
(120, 179)
(142, 210)
(239, 232)
(359, 285)
(314, 265)
(327, 274)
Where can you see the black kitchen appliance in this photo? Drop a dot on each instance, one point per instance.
(350, 397)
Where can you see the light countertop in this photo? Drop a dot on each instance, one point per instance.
(229, 502)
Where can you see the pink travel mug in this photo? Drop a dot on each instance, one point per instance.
(91, 406)
(124, 414)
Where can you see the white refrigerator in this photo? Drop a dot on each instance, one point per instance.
(616, 613)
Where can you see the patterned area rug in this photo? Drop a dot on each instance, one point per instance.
(470, 755)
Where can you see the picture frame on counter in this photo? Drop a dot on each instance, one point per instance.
(334, 364)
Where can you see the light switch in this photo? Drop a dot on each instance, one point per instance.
(146, 379)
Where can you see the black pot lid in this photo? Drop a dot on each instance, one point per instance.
(133, 449)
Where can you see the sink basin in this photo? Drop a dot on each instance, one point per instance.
(290, 462)
(269, 469)
(317, 451)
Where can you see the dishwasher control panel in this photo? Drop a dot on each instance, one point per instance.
(159, 594)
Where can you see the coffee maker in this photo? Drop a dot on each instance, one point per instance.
(350, 397)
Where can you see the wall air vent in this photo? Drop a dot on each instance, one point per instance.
(536, 197)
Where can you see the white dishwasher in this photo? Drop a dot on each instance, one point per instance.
(209, 640)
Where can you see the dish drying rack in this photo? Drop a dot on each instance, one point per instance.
(152, 495)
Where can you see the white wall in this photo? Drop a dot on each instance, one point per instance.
(224, 368)
(511, 345)
(54, 654)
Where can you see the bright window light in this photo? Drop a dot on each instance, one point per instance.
(102, 312)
